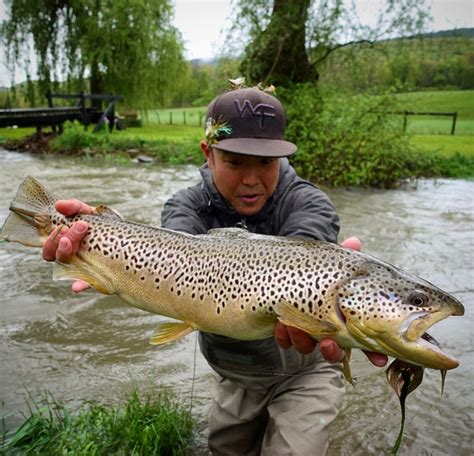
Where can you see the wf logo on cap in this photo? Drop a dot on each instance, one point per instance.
(261, 110)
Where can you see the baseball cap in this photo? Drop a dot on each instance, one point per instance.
(248, 121)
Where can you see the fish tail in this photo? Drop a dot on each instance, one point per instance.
(29, 221)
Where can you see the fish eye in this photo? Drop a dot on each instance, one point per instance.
(418, 299)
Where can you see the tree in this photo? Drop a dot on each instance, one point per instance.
(126, 47)
(278, 51)
(288, 41)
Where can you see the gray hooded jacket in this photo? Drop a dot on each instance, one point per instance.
(296, 209)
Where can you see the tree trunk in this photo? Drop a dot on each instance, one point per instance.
(278, 55)
(96, 84)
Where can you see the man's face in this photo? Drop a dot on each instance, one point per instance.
(246, 182)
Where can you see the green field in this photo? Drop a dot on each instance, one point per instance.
(458, 101)
(176, 116)
(461, 101)
(432, 134)
(446, 144)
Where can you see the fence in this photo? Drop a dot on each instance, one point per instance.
(405, 114)
(178, 117)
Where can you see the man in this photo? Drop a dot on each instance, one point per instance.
(275, 396)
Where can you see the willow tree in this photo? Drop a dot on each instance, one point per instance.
(126, 47)
(289, 41)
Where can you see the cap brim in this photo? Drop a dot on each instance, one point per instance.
(259, 147)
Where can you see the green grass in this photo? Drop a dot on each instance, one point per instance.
(171, 132)
(445, 144)
(15, 133)
(430, 125)
(460, 101)
(178, 116)
(141, 426)
(149, 132)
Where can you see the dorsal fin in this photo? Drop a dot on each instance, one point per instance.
(107, 211)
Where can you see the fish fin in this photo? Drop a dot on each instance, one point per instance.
(233, 233)
(107, 211)
(28, 222)
(346, 368)
(443, 379)
(78, 269)
(16, 229)
(170, 332)
(290, 316)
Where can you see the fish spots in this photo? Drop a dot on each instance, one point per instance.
(225, 277)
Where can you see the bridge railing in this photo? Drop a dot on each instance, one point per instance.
(86, 114)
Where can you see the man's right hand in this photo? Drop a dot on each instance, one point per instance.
(62, 246)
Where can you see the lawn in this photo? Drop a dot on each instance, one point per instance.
(446, 144)
(460, 101)
(177, 116)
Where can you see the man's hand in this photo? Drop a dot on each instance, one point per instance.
(286, 336)
(63, 245)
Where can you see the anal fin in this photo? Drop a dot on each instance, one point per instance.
(170, 332)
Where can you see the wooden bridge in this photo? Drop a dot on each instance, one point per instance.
(56, 116)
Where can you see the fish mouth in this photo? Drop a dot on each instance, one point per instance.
(428, 341)
(427, 349)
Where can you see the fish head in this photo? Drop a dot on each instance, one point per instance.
(389, 311)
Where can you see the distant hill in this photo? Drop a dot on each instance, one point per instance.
(453, 33)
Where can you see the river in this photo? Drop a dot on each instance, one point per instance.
(94, 347)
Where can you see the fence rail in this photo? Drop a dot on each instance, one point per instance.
(405, 114)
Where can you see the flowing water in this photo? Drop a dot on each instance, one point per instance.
(90, 347)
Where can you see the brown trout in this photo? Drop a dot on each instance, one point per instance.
(237, 284)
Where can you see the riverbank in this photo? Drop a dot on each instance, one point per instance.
(173, 144)
(438, 155)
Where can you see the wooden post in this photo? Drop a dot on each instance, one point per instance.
(455, 118)
(184, 117)
(49, 96)
(405, 121)
(171, 118)
(111, 115)
(82, 104)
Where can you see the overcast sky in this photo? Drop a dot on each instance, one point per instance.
(201, 23)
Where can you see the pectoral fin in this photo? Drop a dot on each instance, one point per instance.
(170, 332)
(346, 368)
(291, 316)
(80, 270)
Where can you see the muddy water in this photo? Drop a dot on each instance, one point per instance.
(87, 346)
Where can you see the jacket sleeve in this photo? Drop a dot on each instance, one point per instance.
(183, 212)
(309, 214)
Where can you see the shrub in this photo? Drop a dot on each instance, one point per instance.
(348, 140)
(73, 138)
